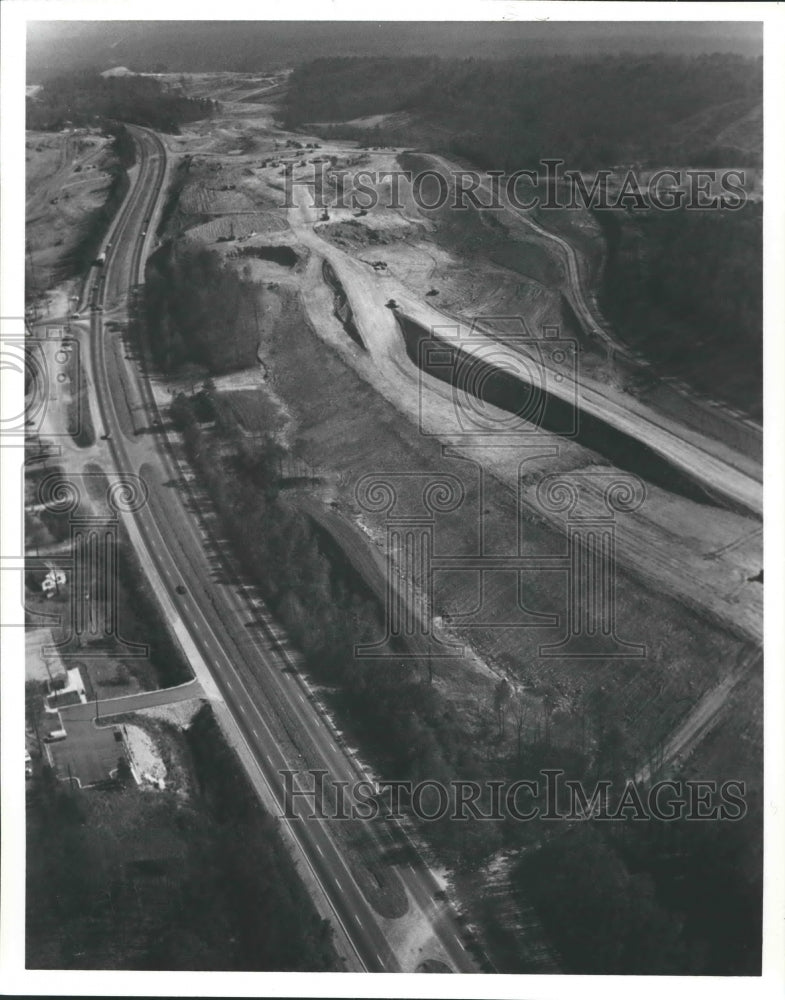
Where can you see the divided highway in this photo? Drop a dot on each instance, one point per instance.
(270, 705)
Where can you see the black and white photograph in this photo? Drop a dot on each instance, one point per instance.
(383, 536)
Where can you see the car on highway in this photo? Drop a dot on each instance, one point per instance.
(180, 589)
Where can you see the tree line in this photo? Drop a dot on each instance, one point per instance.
(508, 114)
(613, 903)
(392, 709)
(197, 309)
(686, 288)
(161, 881)
(85, 97)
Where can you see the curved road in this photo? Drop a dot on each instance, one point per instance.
(269, 703)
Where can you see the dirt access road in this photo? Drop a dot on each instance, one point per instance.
(273, 717)
(670, 541)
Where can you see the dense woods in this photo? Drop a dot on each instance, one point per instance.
(196, 309)
(686, 287)
(655, 891)
(119, 879)
(507, 115)
(648, 898)
(85, 97)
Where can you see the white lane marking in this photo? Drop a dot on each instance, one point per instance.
(320, 851)
(380, 958)
(254, 732)
(358, 920)
(460, 943)
(335, 748)
(339, 884)
(300, 696)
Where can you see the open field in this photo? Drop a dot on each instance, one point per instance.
(68, 181)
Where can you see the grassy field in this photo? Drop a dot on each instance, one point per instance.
(252, 410)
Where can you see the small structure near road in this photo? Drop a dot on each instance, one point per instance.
(72, 693)
(52, 582)
(87, 754)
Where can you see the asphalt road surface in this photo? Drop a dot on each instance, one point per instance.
(268, 701)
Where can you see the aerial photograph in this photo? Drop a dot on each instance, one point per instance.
(392, 577)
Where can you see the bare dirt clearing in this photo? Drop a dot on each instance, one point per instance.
(66, 183)
(347, 407)
(336, 431)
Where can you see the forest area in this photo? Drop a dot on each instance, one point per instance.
(686, 288)
(669, 916)
(196, 309)
(509, 114)
(84, 97)
(683, 287)
(123, 879)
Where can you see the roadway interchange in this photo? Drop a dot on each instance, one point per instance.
(269, 711)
